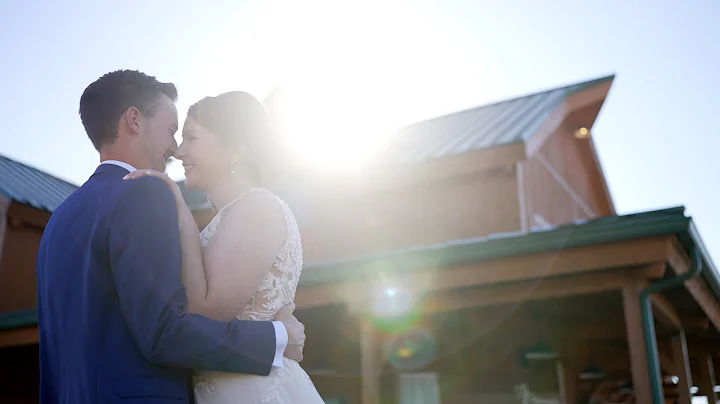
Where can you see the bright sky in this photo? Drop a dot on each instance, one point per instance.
(377, 64)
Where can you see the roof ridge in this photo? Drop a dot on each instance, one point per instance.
(28, 166)
(586, 83)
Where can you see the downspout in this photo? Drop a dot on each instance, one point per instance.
(658, 396)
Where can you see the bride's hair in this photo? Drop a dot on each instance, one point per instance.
(239, 118)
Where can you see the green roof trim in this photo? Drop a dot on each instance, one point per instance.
(18, 319)
(597, 231)
(592, 232)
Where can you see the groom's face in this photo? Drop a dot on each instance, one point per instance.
(158, 134)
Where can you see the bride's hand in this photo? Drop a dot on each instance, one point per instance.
(295, 331)
(152, 173)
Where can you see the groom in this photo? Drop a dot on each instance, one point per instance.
(110, 298)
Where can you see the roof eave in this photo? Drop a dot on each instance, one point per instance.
(592, 92)
(18, 319)
(670, 221)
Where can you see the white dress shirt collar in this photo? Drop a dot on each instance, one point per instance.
(120, 164)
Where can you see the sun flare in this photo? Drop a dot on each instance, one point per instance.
(328, 129)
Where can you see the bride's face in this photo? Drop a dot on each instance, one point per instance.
(205, 157)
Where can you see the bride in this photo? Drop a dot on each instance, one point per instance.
(246, 263)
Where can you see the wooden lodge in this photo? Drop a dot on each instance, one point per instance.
(478, 260)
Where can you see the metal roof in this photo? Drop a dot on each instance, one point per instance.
(596, 231)
(30, 186)
(487, 126)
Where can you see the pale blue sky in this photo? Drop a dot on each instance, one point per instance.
(400, 61)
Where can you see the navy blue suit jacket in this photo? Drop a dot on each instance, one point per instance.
(111, 302)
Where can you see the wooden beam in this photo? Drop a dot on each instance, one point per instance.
(667, 363)
(636, 344)
(705, 298)
(569, 190)
(698, 288)
(706, 385)
(677, 258)
(682, 368)
(545, 264)
(549, 288)
(526, 267)
(4, 206)
(569, 388)
(19, 337)
(370, 375)
(522, 189)
(665, 312)
(655, 270)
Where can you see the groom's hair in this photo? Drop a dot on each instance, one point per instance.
(103, 102)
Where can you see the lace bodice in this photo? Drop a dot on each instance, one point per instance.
(286, 385)
(279, 285)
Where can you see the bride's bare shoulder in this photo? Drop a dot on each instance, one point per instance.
(258, 210)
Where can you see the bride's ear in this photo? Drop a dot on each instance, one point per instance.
(237, 155)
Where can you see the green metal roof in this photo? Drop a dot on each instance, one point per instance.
(497, 124)
(597, 231)
(30, 186)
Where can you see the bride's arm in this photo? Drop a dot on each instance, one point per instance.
(193, 266)
(240, 254)
(220, 280)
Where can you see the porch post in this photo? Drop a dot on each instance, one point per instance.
(682, 368)
(368, 357)
(636, 343)
(568, 385)
(707, 378)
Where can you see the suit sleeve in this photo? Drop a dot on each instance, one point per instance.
(144, 245)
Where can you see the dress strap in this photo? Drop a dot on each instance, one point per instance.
(244, 194)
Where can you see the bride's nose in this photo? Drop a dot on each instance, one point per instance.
(180, 151)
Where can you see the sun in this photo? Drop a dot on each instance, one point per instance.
(328, 128)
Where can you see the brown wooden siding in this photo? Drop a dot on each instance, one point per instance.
(18, 277)
(456, 208)
(560, 185)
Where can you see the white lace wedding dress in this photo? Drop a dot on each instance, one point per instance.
(286, 385)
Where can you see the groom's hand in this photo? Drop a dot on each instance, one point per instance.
(295, 330)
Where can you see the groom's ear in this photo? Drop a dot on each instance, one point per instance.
(131, 119)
